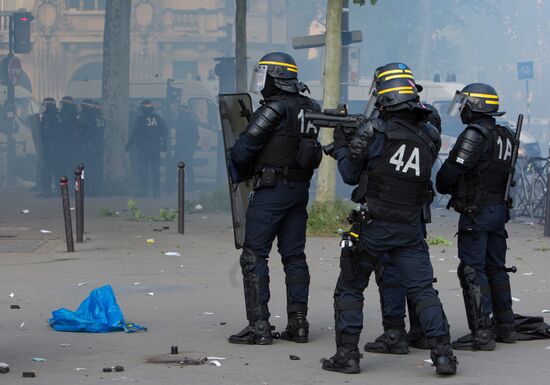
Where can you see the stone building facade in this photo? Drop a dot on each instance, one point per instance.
(170, 39)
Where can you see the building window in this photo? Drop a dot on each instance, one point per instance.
(85, 5)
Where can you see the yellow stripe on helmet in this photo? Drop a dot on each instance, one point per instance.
(278, 63)
(485, 96)
(389, 72)
(292, 70)
(406, 92)
(400, 76)
(492, 102)
(403, 88)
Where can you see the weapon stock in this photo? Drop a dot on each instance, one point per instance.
(509, 182)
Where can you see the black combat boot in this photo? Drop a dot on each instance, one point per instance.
(482, 339)
(257, 334)
(392, 341)
(442, 356)
(346, 359)
(297, 329)
(506, 333)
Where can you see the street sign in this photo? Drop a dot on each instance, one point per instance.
(14, 70)
(313, 41)
(353, 65)
(526, 70)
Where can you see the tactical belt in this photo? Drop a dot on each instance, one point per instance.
(400, 192)
(290, 174)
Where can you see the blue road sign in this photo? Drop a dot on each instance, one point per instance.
(526, 70)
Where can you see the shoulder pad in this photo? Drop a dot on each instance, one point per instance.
(468, 147)
(312, 105)
(377, 124)
(474, 134)
(484, 130)
(432, 131)
(264, 120)
(276, 104)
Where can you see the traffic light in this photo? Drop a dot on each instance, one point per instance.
(22, 32)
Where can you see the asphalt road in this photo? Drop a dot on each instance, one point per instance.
(197, 302)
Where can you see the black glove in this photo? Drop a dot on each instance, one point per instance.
(339, 137)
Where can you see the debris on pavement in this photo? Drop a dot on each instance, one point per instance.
(80, 369)
(22, 324)
(4, 368)
(39, 359)
(150, 241)
(29, 374)
(45, 231)
(12, 295)
(293, 357)
(65, 345)
(198, 207)
(166, 227)
(82, 283)
(172, 254)
(208, 313)
(151, 293)
(528, 273)
(15, 307)
(215, 362)
(25, 211)
(515, 299)
(546, 311)
(215, 358)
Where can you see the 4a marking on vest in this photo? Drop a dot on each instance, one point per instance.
(412, 163)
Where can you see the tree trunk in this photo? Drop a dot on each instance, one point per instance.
(240, 45)
(115, 93)
(326, 179)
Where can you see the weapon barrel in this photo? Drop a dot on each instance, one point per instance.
(514, 158)
(327, 120)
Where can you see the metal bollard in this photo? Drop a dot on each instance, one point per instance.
(78, 204)
(67, 213)
(81, 167)
(181, 196)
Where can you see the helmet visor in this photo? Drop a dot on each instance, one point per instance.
(371, 104)
(457, 104)
(259, 74)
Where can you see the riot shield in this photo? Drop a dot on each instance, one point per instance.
(235, 110)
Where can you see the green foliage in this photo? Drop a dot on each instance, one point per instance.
(328, 218)
(166, 215)
(438, 241)
(106, 212)
(135, 214)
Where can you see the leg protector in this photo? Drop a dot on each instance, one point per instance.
(415, 337)
(346, 359)
(258, 330)
(479, 323)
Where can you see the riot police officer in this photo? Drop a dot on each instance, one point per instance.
(273, 150)
(393, 292)
(475, 174)
(48, 138)
(68, 146)
(390, 159)
(92, 128)
(150, 137)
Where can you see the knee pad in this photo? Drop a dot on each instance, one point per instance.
(248, 261)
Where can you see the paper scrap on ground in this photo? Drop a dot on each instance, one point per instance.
(80, 369)
(25, 211)
(150, 241)
(172, 254)
(137, 283)
(215, 358)
(515, 299)
(429, 361)
(82, 283)
(208, 313)
(215, 362)
(528, 273)
(198, 207)
(39, 359)
(151, 294)
(22, 324)
(546, 311)
(45, 231)
(12, 295)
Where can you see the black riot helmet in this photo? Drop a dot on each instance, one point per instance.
(475, 99)
(397, 94)
(386, 73)
(66, 105)
(147, 107)
(49, 105)
(276, 70)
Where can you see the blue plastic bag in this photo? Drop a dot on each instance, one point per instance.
(99, 313)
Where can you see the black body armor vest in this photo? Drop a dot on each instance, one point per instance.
(281, 149)
(398, 185)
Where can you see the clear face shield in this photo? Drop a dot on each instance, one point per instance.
(371, 104)
(257, 83)
(457, 104)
